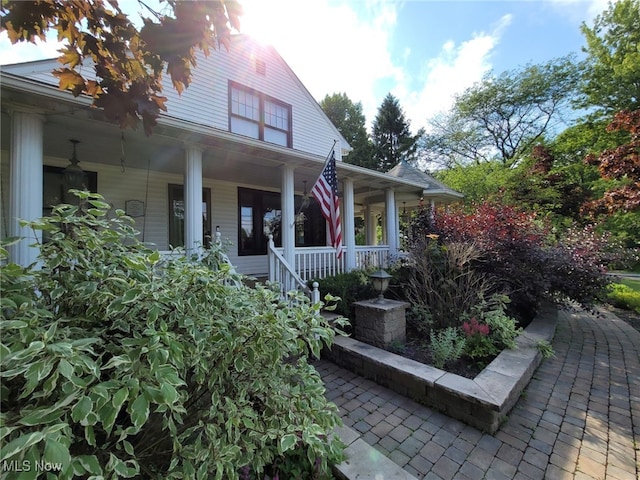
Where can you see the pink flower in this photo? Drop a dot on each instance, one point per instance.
(473, 327)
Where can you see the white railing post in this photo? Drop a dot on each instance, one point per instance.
(315, 293)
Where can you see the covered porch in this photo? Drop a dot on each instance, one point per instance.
(210, 168)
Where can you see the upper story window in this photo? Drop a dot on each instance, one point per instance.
(256, 115)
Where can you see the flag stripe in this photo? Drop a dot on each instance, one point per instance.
(325, 191)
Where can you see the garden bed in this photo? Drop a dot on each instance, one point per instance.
(482, 402)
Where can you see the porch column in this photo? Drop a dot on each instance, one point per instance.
(26, 165)
(193, 200)
(288, 221)
(349, 224)
(371, 226)
(391, 219)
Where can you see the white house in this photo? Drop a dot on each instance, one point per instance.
(236, 153)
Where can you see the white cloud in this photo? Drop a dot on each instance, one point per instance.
(24, 51)
(581, 10)
(457, 67)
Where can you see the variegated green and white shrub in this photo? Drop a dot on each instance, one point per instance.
(116, 363)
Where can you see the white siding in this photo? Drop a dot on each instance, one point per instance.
(205, 101)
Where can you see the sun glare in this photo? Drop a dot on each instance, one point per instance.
(272, 23)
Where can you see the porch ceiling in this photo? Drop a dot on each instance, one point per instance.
(226, 156)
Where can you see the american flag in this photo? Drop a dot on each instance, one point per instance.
(325, 191)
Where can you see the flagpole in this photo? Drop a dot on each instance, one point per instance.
(326, 160)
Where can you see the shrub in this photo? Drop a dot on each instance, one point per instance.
(116, 363)
(503, 328)
(442, 284)
(447, 345)
(624, 297)
(478, 343)
(350, 287)
(493, 332)
(519, 252)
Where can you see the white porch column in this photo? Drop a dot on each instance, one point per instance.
(349, 229)
(288, 221)
(25, 201)
(371, 226)
(391, 219)
(193, 199)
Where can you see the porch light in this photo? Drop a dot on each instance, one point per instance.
(73, 177)
(380, 281)
(404, 216)
(306, 199)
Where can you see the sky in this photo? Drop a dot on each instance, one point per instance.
(423, 52)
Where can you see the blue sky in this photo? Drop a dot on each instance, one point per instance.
(422, 51)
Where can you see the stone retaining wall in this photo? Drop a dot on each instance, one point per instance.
(482, 402)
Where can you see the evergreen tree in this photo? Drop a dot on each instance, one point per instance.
(392, 139)
(350, 121)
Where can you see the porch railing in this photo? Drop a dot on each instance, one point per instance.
(285, 276)
(321, 262)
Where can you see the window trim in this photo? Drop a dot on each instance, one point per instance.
(262, 97)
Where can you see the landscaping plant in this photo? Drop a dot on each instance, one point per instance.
(116, 362)
(348, 287)
(521, 255)
(625, 297)
(442, 285)
(447, 345)
(490, 330)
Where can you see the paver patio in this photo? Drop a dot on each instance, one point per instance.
(579, 417)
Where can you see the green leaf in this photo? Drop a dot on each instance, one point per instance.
(128, 448)
(40, 416)
(19, 444)
(169, 393)
(90, 435)
(32, 456)
(139, 411)
(131, 295)
(12, 324)
(116, 361)
(288, 442)
(56, 452)
(82, 409)
(119, 398)
(65, 368)
(90, 464)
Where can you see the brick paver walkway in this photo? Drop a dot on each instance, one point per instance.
(579, 418)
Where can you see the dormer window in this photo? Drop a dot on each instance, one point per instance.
(259, 116)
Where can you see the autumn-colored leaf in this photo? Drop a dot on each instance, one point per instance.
(70, 57)
(128, 62)
(93, 88)
(70, 80)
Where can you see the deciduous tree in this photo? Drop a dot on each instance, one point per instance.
(128, 62)
(623, 164)
(350, 121)
(611, 80)
(501, 118)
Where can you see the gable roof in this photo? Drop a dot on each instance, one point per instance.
(196, 104)
(432, 187)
